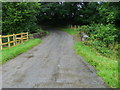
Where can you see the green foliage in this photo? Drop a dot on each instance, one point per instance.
(84, 28)
(106, 68)
(59, 13)
(102, 37)
(106, 34)
(109, 12)
(19, 17)
(12, 52)
(79, 13)
(89, 13)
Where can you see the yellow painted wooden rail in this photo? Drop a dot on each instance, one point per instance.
(16, 39)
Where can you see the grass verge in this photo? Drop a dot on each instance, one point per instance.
(7, 54)
(71, 31)
(106, 68)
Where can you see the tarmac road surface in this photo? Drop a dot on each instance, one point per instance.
(51, 64)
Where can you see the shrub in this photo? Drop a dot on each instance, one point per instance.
(101, 37)
(106, 34)
(84, 28)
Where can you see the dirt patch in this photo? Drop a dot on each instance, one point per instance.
(77, 37)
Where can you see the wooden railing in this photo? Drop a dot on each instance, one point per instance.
(13, 40)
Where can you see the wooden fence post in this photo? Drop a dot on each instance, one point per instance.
(27, 35)
(0, 42)
(21, 38)
(14, 40)
(8, 41)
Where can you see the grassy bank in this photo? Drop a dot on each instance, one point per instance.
(12, 52)
(107, 68)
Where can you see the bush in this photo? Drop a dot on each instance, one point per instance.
(104, 33)
(100, 33)
(84, 28)
(102, 37)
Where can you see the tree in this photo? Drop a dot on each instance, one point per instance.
(19, 17)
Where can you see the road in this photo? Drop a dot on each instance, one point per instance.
(51, 64)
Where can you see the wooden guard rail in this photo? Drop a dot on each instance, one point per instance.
(16, 39)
